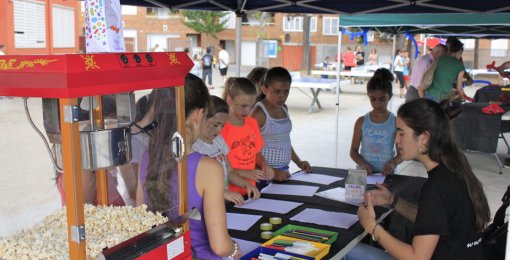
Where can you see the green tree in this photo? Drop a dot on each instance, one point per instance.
(206, 22)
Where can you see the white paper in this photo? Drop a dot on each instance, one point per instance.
(241, 222)
(269, 205)
(337, 194)
(289, 189)
(375, 178)
(245, 245)
(314, 178)
(326, 218)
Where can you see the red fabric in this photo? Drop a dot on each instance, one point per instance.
(493, 109)
(245, 142)
(349, 59)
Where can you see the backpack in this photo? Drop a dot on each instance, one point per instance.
(207, 61)
(494, 236)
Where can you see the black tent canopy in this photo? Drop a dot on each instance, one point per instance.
(333, 6)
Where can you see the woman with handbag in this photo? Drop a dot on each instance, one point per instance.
(449, 69)
(452, 210)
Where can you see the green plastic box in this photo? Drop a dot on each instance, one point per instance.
(334, 235)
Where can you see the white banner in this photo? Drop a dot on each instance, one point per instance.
(103, 26)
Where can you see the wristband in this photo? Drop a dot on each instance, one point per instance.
(236, 249)
(373, 231)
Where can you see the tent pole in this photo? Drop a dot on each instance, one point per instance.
(424, 45)
(337, 104)
(239, 21)
(393, 50)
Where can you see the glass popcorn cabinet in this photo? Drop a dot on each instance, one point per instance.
(89, 119)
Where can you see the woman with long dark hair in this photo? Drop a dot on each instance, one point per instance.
(158, 185)
(453, 209)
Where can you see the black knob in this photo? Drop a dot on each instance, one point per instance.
(124, 59)
(137, 58)
(149, 57)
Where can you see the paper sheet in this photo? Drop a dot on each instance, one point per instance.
(314, 178)
(289, 189)
(375, 178)
(269, 205)
(245, 245)
(337, 194)
(241, 222)
(327, 218)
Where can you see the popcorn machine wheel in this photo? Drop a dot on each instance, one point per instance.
(96, 144)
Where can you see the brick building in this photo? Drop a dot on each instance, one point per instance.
(39, 26)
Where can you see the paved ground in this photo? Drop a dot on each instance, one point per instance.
(29, 193)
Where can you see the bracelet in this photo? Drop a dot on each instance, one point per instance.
(394, 202)
(373, 231)
(236, 249)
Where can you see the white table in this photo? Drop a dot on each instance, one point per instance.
(345, 73)
(315, 85)
(476, 72)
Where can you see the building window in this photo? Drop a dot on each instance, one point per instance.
(254, 19)
(499, 47)
(29, 24)
(230, 17)
(160, 13)
(330, 26)
(128, 10)
(313, 24)
(469, 44)
(63, 27)
(292, 24)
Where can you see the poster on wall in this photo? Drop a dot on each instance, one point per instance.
(270, 48)
(103, 26)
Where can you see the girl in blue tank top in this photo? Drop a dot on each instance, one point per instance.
(375, 131)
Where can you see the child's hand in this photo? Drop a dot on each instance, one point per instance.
(269, 172)
(255, 175)
(252, 191)
(281, 175)
(305, 166)
(234, 197)
(367, 167)
(389, 168)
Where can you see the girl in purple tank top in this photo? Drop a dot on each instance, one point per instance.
(208, 225)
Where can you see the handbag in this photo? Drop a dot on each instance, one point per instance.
(428, 76)
(494, 236)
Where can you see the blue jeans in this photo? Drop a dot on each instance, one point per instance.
(207, 73)
(365, 252)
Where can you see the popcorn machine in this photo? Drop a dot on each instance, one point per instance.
(94, 144)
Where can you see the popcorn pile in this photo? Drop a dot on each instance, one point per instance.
(104, 227)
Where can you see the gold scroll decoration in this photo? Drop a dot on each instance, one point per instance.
(172, 58)
(11, 63)
(90, 63)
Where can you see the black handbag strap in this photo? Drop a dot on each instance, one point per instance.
(499, 217)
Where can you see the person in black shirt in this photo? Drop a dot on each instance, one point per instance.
(360, 56)
(453, 209)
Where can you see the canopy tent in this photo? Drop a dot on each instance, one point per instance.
(333, 6)
(478, 25)
(481, 25)
(428, 9)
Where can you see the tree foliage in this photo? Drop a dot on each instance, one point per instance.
(206, 22)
